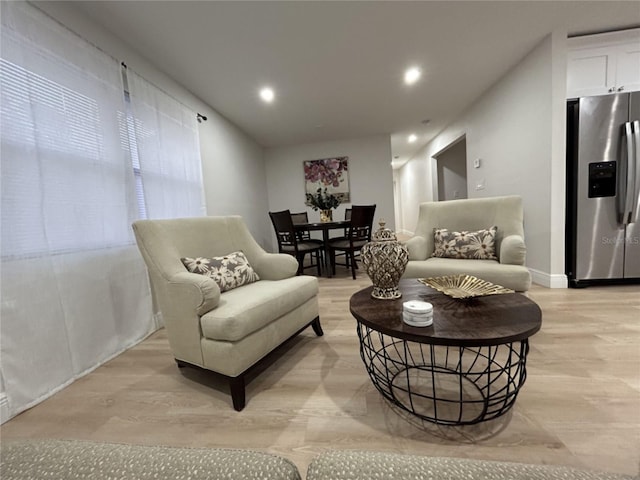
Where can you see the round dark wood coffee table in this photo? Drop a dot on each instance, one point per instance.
(466, 368)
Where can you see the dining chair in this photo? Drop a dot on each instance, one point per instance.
(358, 233)
(347, 217)
(300, 218)
(305, 235)
(288, 241)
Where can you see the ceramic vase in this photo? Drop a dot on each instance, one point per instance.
(384, 260)
(326, 215)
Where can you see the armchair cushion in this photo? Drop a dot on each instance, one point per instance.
(247, 309)
(479, 245)
(229, 271)
(515, 277)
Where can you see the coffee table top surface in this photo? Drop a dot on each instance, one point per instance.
(479, 321)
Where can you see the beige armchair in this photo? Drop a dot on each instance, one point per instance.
(229, 332)
(506, 213)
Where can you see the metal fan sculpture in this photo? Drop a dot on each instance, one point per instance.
(464, 286)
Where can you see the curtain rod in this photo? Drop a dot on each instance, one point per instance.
(201, 118)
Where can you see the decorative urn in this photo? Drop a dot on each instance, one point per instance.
(384, 260)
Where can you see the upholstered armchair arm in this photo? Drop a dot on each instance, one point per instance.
(513, 250)
(417, 247)
(193, 291)
(275, 266)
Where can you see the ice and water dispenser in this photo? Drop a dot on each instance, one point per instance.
(602, 179)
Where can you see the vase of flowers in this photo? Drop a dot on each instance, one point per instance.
(323, 201)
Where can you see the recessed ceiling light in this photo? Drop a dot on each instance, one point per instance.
(267, 94)
(412, 75)
(412, 138)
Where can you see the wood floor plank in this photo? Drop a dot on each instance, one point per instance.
(580, 405)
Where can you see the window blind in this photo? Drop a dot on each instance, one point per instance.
(66, 176)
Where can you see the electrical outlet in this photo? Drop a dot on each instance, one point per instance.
(456, 194)
(480, 184)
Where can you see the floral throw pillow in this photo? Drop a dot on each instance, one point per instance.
(229, 272)
(479, 245)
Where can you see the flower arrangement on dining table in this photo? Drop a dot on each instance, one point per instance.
(323, 201)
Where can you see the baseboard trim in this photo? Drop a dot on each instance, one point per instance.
(4, 408)
(548, 280)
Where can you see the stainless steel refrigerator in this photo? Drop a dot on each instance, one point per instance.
(603, 190)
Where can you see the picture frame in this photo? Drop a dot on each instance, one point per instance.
(330, 173)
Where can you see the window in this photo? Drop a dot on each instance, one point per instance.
(66, 181)
(82, 155)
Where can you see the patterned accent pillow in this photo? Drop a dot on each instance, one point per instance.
(229, 272)
(479, 245)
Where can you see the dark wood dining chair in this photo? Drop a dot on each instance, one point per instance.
(288, 242)
(345, 263)
(347, 218)
(299, 218)
(358, 233)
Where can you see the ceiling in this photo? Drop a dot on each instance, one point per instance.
(337, 66)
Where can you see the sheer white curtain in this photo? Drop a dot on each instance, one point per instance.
(74, 287)
(166, 152)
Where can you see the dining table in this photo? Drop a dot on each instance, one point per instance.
(324, 227)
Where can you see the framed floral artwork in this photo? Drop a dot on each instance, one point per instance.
(331, 174)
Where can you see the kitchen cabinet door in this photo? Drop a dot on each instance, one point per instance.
(591, 71)
(628, 67)
(604, 63)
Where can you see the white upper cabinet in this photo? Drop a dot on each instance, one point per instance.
(628, 67)
(603, 64)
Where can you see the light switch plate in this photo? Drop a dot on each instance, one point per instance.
(476, 163)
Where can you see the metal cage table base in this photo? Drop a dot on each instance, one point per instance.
(447, 385)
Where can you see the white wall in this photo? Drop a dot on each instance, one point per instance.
(232, 163)
(370, 175)
(234, 175)
(557, 277)
(4, 404)
(417, 177)
(516, 128)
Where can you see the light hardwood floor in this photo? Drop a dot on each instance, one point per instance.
(580, 405)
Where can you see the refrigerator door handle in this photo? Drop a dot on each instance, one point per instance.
(629, 197)
(635, 196)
